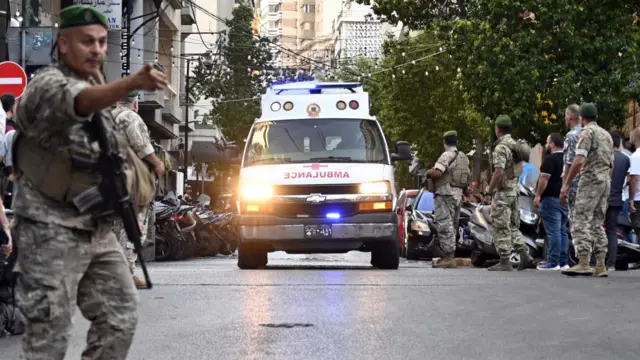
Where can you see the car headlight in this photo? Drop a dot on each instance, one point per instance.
(378, 187)
(420, 226)
(528, 217)
(256, 191)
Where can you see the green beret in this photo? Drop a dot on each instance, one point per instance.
(81, 15)
(588, 110)
(133, 94)
(450, 133)
(503, 120)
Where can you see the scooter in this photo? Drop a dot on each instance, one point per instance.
(481, 231)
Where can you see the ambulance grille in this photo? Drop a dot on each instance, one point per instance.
(338, 189)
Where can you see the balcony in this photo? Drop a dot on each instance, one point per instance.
(176, 4)
(187, 15)
(171, 111)
(151, 100)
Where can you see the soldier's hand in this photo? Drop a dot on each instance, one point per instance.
(149, 78)
(159, 169)
(632, 207)
(8, 247)
(564, 195)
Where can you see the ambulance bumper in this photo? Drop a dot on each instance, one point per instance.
(293, 233)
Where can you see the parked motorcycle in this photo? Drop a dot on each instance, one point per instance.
(169, 242)
(628, 251)
(481, 231)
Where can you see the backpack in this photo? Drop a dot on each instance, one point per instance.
(460, 173)
(521, 152)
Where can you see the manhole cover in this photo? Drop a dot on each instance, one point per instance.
(286, 325)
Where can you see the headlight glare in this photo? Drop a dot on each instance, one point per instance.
(528, 217)
(417, 225)
(257, 191)
(378, 187)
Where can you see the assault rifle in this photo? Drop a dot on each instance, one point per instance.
(113, 187)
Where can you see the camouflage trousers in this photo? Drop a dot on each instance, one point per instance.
(571, 196)
(59, 268)
(127, 246)
(505, 220)
(447, 213)
(592, 200)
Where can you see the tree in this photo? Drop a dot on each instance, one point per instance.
(530, 59)
(418, 15)
(239, 75)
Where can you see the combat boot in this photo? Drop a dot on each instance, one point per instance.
(140, 284)
(583, 268)
(448, 261)
(503, 265)
(526, 261)
(601, 268)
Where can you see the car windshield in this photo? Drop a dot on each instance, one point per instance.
(529, 176)
(411, 199)
(425, 204)
(315, 140)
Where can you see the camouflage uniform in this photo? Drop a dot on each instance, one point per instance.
(505, 211)
(569, 157)
(136, 132)
(447, 203)
(592, 195)
(67, 258)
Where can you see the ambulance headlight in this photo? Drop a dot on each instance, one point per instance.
(256, 191)
(378, 187)
(288, 106)
(275, 106)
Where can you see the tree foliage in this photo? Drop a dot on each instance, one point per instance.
(418, 15)
(237, 77)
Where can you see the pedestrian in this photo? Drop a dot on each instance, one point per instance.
(572, 121)
(621, 164)
(505, 212)
(451, 175)
(68, 256)
(8, 183)
(555, 216)
(7, 111)
(594, 155)
(135, 130)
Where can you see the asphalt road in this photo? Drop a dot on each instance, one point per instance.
(337, 307)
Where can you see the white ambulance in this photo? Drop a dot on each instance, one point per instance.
(317, 177)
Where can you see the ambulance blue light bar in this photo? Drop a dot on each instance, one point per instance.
(314, 87)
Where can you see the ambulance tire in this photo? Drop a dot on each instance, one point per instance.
(385, 256)
(251, 256)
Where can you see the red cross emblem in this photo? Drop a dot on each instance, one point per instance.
(316, 167)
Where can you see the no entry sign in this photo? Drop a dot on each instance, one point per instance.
(13, 79)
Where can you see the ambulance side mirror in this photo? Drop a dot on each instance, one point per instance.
(402, 153)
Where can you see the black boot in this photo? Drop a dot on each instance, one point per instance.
(526, 261)
(503, 265)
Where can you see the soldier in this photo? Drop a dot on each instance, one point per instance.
(594, 155)
(448, 195)
(133, 127)
(570, 142)
(505, 214)
(67, 256)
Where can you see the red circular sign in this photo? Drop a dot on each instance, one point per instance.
(13, 79)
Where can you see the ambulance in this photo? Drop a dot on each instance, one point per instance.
(317, 177)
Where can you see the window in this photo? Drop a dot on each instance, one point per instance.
(272, 24)
(307, 26)
(309, 8)
(272, 8)
(305, 140)
(425, 202)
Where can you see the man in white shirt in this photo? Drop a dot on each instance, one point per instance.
(634, 183)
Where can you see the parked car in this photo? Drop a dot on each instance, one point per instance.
(405, 199)
(421, 235)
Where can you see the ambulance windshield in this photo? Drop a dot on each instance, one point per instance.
(315, 140)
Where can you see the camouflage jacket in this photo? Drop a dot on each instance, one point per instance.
(443, 184)
(502, 158)
(46, 113)
(134, 128)
(596, 145)
(570, 142)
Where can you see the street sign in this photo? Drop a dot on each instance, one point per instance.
(13, 79)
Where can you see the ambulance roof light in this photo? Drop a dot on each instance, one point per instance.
(314, 87)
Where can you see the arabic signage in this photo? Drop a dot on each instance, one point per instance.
(112, 9)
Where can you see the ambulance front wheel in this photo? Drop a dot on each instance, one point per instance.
(251, 256)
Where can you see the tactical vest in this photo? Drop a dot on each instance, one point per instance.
(457, 175)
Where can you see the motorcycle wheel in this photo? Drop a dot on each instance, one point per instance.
(478, 259)
(411, 252)
(163, 248)
(621, 265)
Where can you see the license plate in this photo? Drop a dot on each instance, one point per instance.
(317, 231)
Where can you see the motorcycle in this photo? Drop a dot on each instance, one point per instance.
(628, 251)
(481, 231)
(169, 241)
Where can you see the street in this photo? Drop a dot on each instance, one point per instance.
(337, 307)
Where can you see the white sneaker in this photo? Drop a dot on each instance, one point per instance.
(565, 267)
(548, 267)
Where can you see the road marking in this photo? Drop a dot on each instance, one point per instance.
(11, 81)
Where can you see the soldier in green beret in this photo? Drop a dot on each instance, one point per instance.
(77, 256)
(451, 176)
(505, 212)
(594, 162)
